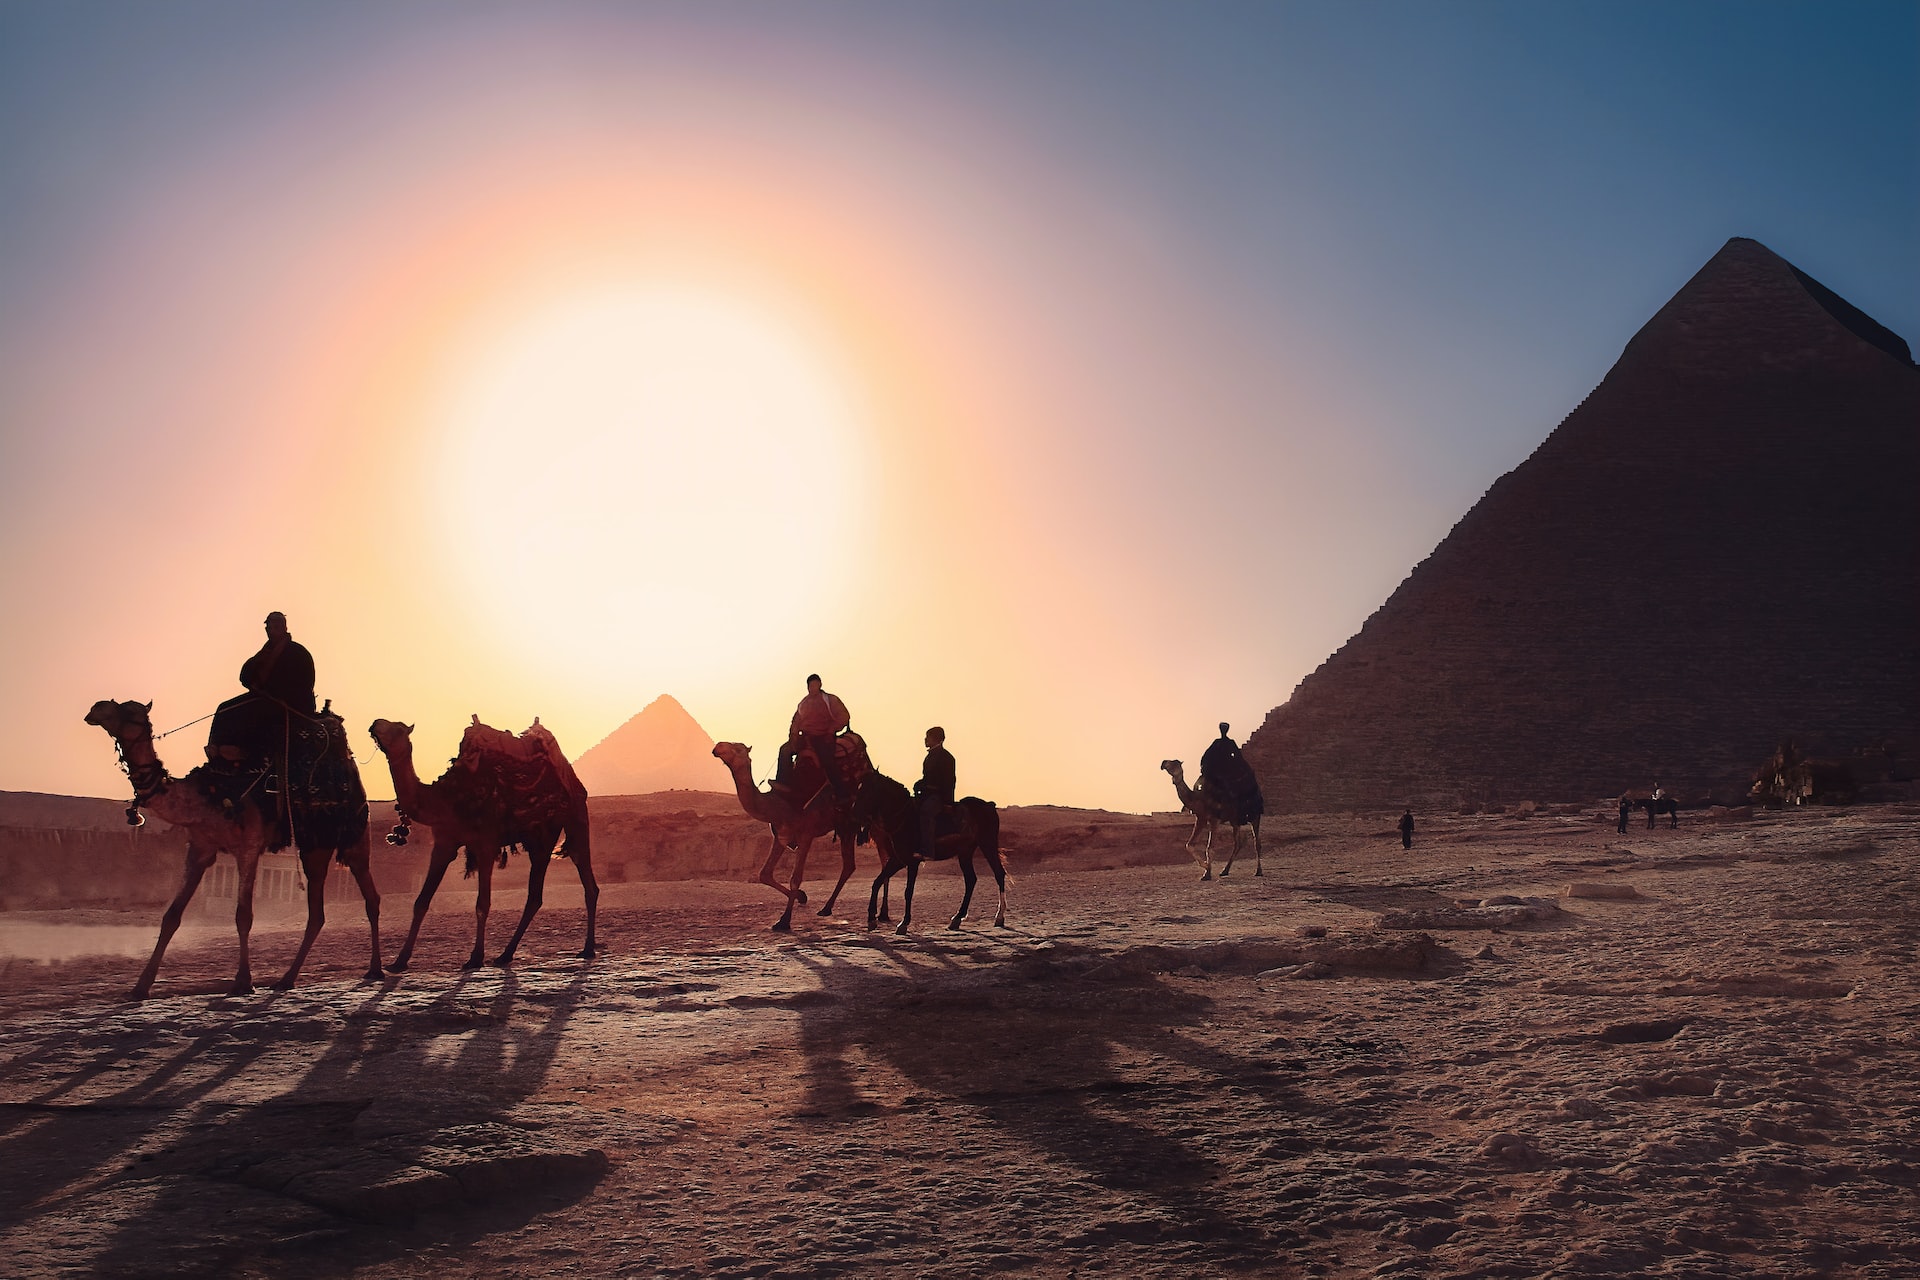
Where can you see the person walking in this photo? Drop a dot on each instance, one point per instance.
(1406, 829)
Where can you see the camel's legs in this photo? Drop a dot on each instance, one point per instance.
(1258, 869)
(582, 854)
(966, 899)
(360, 863)
(766, 872)
(315, 863)
(846, 869)
(198, 860)
(785, 923)
(906, 907)
(1233, 854)
(1204, 858)
(482, 904)
(437, 864)
(243, 922)
(536, 894)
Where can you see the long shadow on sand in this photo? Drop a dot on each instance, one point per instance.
(259, 1152)
(1092, 1081)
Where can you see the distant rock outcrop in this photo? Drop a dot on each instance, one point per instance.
(1719, 548)
(663, 748)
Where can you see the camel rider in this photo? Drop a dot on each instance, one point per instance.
(816, 720)
(1220, 765)
(936, 786)
(278, 679)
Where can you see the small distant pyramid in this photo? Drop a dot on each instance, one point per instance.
(1718, 549)
(661, 749)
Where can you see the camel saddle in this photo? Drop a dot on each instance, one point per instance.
(523, 779)
(805, 780)
(307, 785)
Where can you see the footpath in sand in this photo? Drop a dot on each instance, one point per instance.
(1702, 1062)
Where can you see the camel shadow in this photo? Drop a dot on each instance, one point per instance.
(1112, 1091)
(248, 1148)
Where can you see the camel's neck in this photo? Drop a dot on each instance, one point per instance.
(757, 803)
(1180, 787)
(182, 806)
(408, 791)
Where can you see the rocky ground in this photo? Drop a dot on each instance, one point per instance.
(1525, 1047)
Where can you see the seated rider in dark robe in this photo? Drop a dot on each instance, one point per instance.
(1224, 771)
(935, 788)
(278, 679)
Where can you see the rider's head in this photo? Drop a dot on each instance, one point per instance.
(935, 737)
(813, 684)
(277, 624)
(1223, 728)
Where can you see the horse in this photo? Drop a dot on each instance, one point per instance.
(887, 810)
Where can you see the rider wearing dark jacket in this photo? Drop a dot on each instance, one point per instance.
(938, 782)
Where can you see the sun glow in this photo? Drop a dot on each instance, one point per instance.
(647, 478)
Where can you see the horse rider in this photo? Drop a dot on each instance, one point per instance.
(936, 787)
(278, 679)
(818, 718)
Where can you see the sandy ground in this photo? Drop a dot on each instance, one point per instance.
(1141, 1075)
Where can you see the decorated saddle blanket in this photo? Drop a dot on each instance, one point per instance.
(313, 796)
(523, 781)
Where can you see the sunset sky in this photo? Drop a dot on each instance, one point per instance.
(1071, 375)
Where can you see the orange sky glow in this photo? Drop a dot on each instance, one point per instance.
(307, 317)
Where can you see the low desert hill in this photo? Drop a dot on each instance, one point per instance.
(661, 749)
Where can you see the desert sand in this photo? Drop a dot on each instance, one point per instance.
(1525, 1047)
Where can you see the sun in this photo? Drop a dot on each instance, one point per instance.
(643, 480)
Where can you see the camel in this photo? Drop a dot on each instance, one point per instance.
(475, 805)
(888, 810)
(1208, 812)
(245, 830)
(796, 823)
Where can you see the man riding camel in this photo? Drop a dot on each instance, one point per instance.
(816, 721)
(278, 679)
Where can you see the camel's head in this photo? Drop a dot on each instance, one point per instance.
(734, 755)
(391, 735)
(126, 721)
(1171, 766)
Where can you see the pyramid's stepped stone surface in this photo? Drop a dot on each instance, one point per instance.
(1716, 549)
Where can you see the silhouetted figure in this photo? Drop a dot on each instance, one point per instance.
(1225, 774)
(278, 679)
(816, 720)
(938, 782)
(1626, 807)
(1406, 829)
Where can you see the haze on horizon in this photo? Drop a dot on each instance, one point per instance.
(1073, 376)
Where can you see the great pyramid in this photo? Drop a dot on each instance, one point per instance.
(661, 749)
(1720, 547)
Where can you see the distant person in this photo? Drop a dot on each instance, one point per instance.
(1626, 807)
(278, 679)
(1222, 760)
(816, 720)
(1406, 829)
(938, 782)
